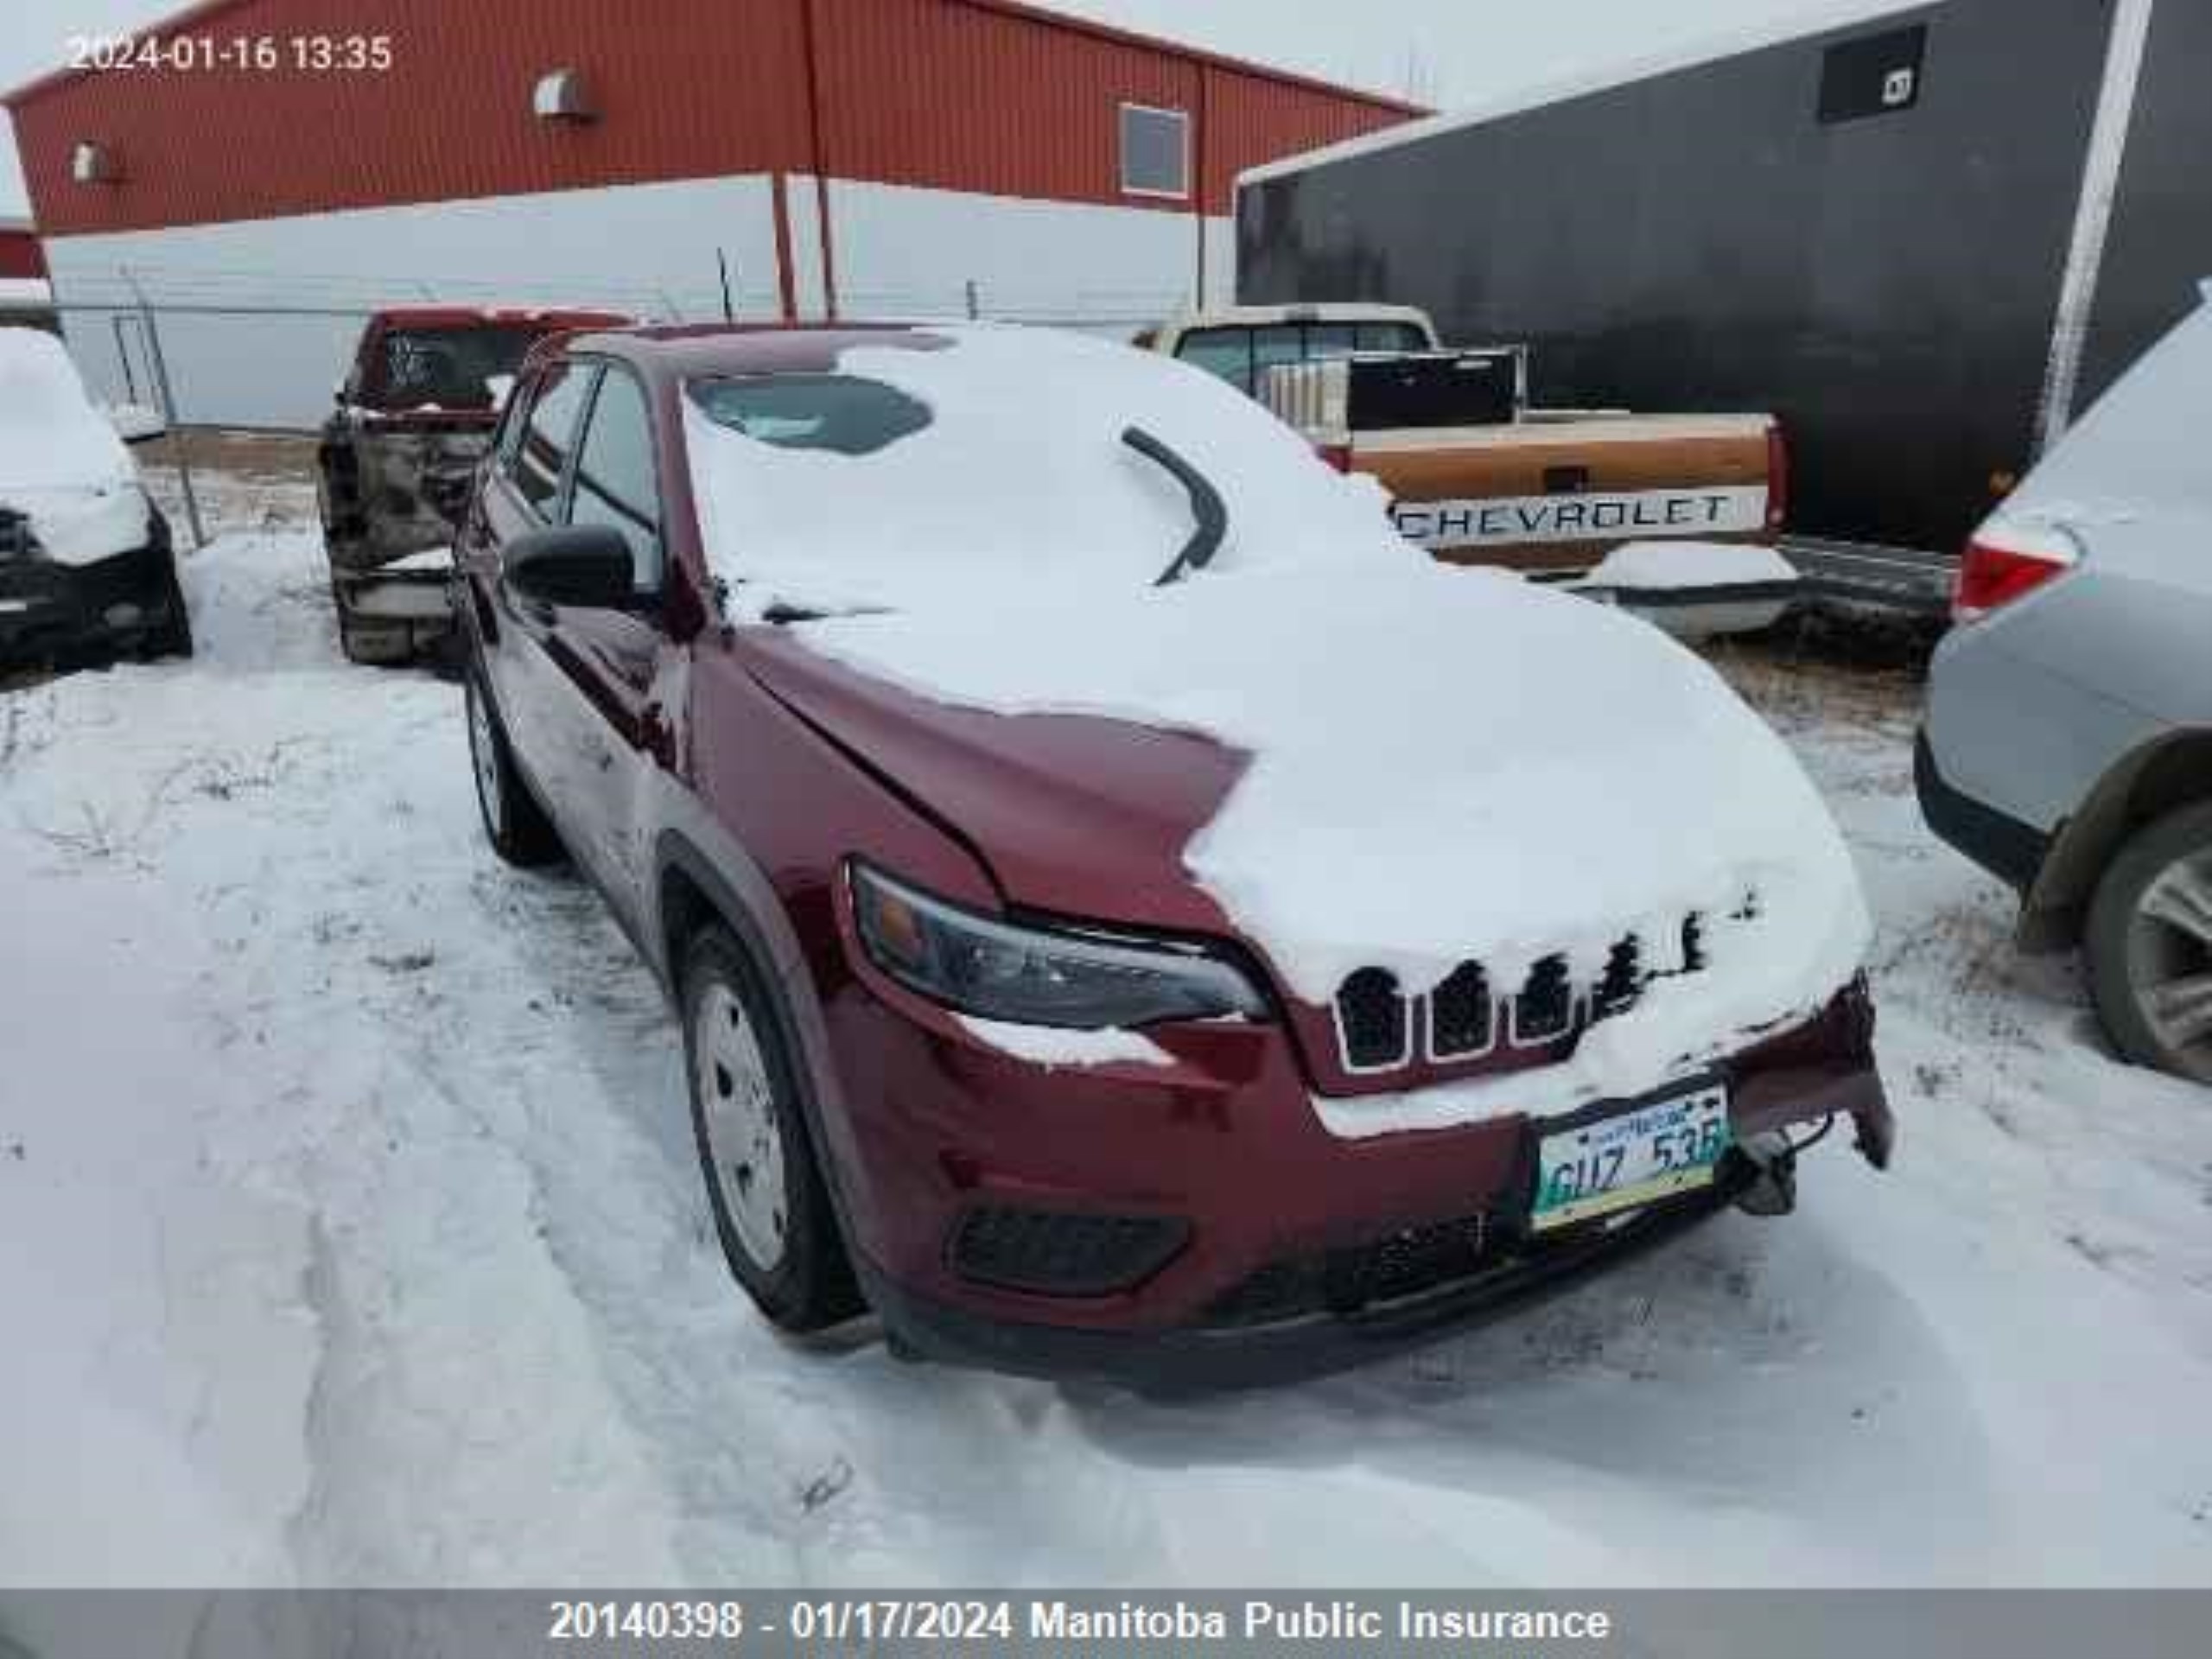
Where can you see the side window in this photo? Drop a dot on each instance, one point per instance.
(547, 435)
(1225, 352)
(507, 441)
(615, 482)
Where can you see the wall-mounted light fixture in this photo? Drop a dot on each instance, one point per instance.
(561, 95)
(94, 163)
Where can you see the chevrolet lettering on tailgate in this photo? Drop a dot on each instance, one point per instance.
(1519, 520)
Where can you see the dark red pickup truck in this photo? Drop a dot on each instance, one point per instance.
(414, 415)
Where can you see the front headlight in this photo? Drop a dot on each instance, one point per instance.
(1038, 976)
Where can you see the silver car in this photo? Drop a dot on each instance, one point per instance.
(2067, 740)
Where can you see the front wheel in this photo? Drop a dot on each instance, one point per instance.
(771, 1210)
(2149, 945)
(514, 823)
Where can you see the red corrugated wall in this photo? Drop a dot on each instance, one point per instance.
(961, 94)
(686, 88)
(19, 253)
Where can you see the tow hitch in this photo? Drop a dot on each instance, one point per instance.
(1771, 1156)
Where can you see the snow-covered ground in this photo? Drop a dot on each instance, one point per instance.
(350, 1232)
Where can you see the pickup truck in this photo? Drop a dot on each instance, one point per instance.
(396, 457)
(1476, 473)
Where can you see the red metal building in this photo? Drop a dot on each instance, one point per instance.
(239, 110)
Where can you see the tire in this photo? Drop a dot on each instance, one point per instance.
(2149, 945)
(764, 1183)
(513, 822)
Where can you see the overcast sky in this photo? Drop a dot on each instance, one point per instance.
(1446, 52)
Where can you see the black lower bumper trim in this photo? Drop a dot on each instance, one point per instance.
(2007, 849)
(1197, 1360)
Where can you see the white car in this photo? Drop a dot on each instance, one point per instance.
(2068, 743)
(87, 571)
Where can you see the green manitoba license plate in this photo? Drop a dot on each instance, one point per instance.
(1631, 1157)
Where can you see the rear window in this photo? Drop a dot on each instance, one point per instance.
(1239, 355)
(450, 368)
(842, 414)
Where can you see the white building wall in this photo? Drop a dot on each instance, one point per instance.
(1221, 262)
(905, 251)
(810, 292)
(257, 317)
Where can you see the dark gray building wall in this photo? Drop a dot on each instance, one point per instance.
(1703, 240)
(2159, 248)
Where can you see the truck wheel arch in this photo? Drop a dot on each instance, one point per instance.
(2168, 771)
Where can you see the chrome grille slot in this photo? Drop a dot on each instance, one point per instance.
(1623, 981)
(1465, 1016)
(1461, 1020)
(1544, 1011)
(1374, 1021)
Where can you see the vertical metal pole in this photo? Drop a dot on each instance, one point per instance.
(721, 264)
(122, 356)
(171, 430)
(2077, 293)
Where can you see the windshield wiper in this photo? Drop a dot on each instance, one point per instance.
(1210, 517)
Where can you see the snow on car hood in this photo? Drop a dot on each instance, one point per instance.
(1444, 763)
(61, 464)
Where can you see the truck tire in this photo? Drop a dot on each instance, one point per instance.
(513, 822)
(764, 1184)
(2148, 945)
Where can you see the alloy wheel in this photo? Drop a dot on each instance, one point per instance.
(2170, 959)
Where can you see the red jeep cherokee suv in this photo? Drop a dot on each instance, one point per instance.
(1130, 913)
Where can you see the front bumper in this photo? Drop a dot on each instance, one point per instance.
(1195, 1225)
(58, 613)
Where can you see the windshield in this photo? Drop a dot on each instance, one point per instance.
(450, 368)
(952, 467)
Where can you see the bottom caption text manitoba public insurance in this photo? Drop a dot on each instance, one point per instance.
(1049, 1619)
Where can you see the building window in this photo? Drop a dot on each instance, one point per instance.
(1155, 152)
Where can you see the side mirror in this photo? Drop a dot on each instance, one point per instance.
(586, 566)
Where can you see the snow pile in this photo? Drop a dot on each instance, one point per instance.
(1444, 764)
(1052, 1046)
(1021, 480)
(62, 464)
(1649, 566)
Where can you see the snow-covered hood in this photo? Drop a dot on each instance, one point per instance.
(1435, 764)
(62, 465)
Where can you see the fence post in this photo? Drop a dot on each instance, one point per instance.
(172, 431)
(975, 301)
